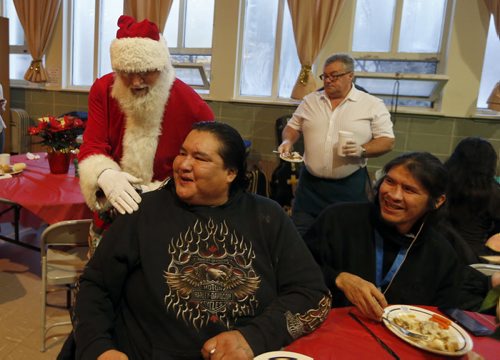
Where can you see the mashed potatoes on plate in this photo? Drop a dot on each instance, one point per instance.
(437, 337)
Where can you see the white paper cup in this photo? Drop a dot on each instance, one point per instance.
(344, 136)
(4, 159)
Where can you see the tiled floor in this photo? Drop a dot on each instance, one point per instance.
(20, 307)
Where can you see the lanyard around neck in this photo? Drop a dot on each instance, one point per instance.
(379, 262)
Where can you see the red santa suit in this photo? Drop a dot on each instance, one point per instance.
(138, 135)
(103, 144)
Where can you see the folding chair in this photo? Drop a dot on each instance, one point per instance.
(63, 249)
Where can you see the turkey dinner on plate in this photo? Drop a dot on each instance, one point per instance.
(441, 335)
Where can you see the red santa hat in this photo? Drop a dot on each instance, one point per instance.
(138, 46)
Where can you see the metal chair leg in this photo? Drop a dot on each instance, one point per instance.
(43, 330)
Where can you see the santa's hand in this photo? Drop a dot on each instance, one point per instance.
(117, 186)
(352, 149)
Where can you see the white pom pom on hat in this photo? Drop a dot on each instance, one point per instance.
(138, 47)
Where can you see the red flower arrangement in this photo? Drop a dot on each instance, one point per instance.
(58, 133)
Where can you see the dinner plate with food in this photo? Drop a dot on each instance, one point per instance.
(427, 330)
(14, 169)
(282, 355)
(294, 157)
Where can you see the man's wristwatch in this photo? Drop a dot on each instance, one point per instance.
(363, 152)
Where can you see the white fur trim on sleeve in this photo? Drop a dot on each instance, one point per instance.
(89, 169)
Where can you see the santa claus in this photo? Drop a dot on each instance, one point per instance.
(138, 118)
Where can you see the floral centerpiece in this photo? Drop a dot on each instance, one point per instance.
(59, 135)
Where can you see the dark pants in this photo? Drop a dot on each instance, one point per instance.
(314, 194)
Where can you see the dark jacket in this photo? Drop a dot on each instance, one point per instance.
(342, 240)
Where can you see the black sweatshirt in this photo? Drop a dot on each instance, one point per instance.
(170, 276)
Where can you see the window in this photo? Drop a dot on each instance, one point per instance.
(398, 45)
(83, 43)
(93, 26)
(491, 70)
(19, 58)
(188, 32)
(268, 49)
(411, 26)
(389, 38)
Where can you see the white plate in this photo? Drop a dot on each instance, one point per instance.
(463, 338)
(282, 355)
(13, 172)
(290, 159)
(16, 172)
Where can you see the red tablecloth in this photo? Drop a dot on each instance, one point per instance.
(340, 337)
(44, 197)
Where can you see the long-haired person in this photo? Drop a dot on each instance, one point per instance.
(474, 195)
(390, 251)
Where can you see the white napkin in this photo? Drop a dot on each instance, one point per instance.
(31, 156)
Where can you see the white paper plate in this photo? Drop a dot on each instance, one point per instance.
(296, 159)
(282, 355)
(13, 172)
(16, 172)
(462, 337)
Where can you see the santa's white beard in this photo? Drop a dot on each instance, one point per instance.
(145, 107)
(143, 124)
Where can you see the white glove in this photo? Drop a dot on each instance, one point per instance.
(117, 186)
(352, 149)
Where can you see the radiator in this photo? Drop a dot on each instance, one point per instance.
(19, 123)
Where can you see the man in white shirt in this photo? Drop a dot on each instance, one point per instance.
(328, 177)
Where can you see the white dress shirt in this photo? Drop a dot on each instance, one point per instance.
(361, 113)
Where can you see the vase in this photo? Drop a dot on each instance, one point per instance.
(59, 161)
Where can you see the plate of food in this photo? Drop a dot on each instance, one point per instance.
(282, 355)
(294, 157)
(14, 169)
(439, 334)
